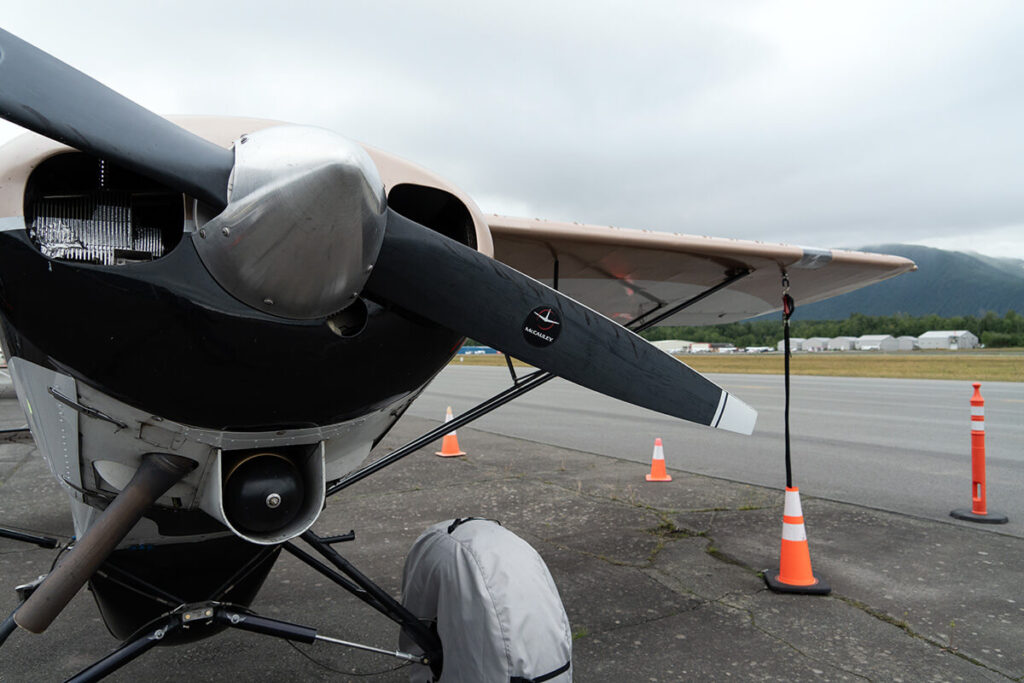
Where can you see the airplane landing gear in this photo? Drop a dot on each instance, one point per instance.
(213, 614)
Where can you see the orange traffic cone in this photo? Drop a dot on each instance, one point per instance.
(658, 472)
(795, 575)
(450, 443)
(979, 511)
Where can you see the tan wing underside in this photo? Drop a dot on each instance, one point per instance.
(626, 273)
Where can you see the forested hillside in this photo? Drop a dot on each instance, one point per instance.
(946, 283)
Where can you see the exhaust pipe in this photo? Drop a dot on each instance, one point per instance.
(157, 473)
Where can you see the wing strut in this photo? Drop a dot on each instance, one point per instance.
(511, 368)
(639, 324)
(520, 386)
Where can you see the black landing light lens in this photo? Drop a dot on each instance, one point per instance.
(263, 493)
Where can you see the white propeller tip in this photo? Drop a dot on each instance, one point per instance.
(734, 415)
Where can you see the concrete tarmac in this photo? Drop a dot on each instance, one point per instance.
(899, 445)
(661, 581)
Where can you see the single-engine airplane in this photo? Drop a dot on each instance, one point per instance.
(156, 273)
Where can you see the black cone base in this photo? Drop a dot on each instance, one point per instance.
(990, 518)
(819, 587)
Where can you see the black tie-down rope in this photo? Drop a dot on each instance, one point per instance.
(787, 311)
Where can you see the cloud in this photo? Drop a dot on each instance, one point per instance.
(804, 122)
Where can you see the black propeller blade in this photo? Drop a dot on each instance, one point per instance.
(417, 269)
(440, 279)
(45, 95)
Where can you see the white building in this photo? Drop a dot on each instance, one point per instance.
(672, 346)
(815, 344)
(947, 339)
(841, 343)
(794, 344)
(906, 343)
(877, 342)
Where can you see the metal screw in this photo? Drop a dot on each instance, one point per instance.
(273, 500)
(225, 231)
(268, 301)
(159, 634)
(234, 618)
(369, 268)
(202, 233)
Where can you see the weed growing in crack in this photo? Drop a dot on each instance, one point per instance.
(949, 639)
(631, 494)
(668, 529)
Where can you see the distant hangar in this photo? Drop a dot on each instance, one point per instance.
(947, 339)
(937, 339)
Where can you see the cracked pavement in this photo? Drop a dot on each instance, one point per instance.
(661, 581)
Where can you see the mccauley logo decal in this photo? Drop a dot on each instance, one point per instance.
(542, 326)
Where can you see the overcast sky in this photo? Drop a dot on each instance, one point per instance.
(817, 123)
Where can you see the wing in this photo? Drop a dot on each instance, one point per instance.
(626, 274)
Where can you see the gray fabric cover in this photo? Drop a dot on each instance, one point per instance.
(497, 609)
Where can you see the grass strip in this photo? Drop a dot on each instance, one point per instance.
(974, 366)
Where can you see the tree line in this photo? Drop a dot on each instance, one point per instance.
(992, 330)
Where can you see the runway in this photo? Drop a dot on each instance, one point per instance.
(898, 445)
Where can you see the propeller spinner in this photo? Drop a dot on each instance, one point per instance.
(303, 225)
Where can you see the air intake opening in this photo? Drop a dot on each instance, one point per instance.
(87, 210)
(436, 209)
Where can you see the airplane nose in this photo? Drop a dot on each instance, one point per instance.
(303, 225)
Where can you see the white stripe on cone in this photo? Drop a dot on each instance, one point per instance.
(793, 532)
(792, 507)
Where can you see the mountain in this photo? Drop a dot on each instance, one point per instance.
(946, 283)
